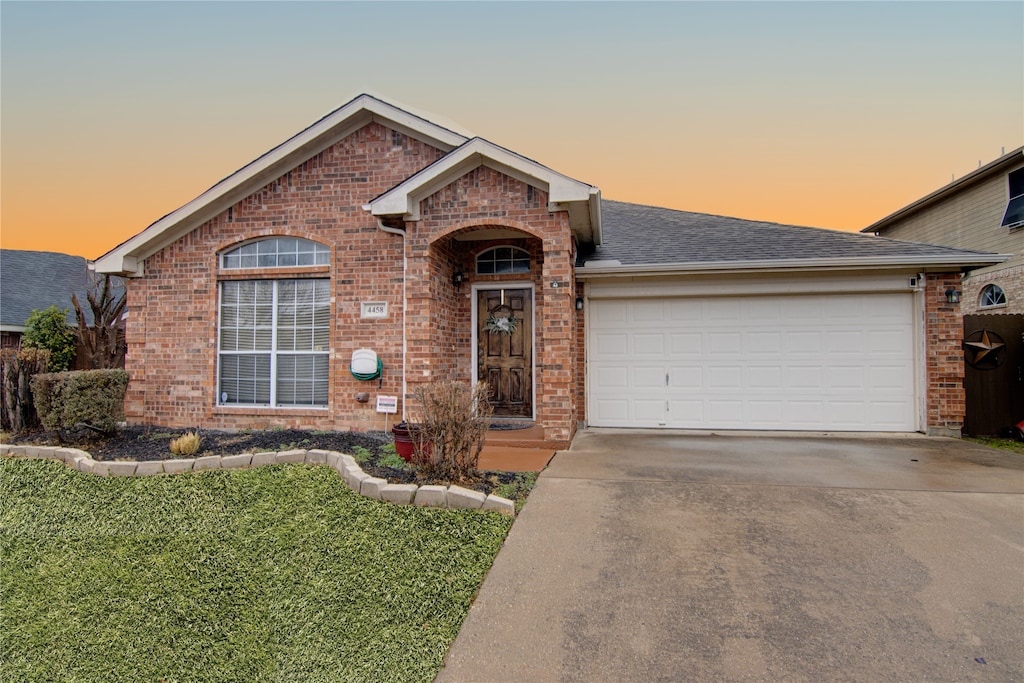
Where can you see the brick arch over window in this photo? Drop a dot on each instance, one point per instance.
(471, 225)
(268, 233)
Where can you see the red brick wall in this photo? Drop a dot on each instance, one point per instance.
(172, 335)
(173, 332)
(485, 198)
(944, 358)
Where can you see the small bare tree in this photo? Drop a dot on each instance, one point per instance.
(455, 418)
(17, 368)
(103, 344)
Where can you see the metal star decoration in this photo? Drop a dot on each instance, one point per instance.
(985, 348)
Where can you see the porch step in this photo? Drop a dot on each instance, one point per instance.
(531, 437)
(512, 459)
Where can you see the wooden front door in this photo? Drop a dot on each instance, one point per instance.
(505, 349)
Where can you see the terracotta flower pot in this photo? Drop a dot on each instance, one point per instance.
(406, 438)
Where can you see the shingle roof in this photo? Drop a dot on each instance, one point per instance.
(31, 280)
(635, 235)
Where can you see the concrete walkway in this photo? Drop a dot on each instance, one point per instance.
(646, 556)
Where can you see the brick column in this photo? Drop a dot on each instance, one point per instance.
(944, 357)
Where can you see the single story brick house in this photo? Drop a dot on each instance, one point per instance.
(450, 257)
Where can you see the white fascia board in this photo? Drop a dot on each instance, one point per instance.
(404, 198)
(127, 258)
(787, 265)
(13, 328)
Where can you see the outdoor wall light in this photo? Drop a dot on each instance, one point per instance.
(952, 296)
(579, 303)
(458, 277)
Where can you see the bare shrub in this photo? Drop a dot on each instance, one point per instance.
(186, 444)
(17, 368)
(453, 423)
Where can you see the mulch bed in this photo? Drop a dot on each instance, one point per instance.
(141, 443)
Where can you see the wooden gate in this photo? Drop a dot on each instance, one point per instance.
(993, 373)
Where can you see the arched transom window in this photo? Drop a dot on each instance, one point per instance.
(276, 252)
(502, 261)
(992, 295)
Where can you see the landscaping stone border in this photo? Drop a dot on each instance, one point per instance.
(455, 497)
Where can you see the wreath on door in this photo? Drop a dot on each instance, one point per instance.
(501, 321)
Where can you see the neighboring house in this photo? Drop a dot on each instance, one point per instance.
(983, 210)
(453, 258)
(36, 280)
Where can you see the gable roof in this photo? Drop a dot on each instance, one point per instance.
(579, 199)
(649, 239)
(127, 257)
(1000, 165)
(36, 280)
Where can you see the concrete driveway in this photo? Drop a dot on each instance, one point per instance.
(663, 556)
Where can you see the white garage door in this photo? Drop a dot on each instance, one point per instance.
(800, 362)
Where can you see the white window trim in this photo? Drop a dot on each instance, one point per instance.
(273, 352)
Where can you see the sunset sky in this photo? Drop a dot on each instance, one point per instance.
(825, 114)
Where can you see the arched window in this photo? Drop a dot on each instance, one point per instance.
(992, 295)
(503, 261)
(276, 252)
(274, 335)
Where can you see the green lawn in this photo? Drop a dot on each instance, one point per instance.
(273, 574)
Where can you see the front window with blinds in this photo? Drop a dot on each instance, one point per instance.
(274, 341)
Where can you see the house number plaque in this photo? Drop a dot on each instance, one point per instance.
(373, 309)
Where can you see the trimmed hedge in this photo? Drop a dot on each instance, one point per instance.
(92, 397)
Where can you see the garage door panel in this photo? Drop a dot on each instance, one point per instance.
(611, 345)
(804, 414)
(718, 377)
(681, 310)
(652, 311)
(727, 413)
(807, 377)
(648, 378)
(685, 377)
(612, 412)
(890, 377)
(843, 342)
(798, 342)
(649, 344)
(845, 377)
(764, 377)
(886, 342)
(614, 377)
(813, 362)
(764, 414)
(761, 343)
(688, 344)
(720, 343)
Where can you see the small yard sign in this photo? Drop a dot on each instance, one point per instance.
(387, 404)
(373, 309)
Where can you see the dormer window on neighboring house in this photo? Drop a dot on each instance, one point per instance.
(1014, 216)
